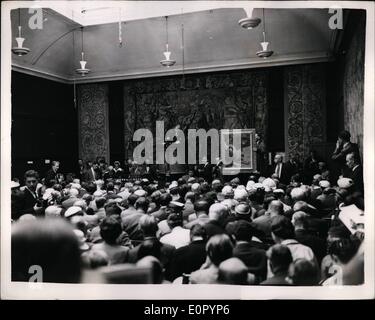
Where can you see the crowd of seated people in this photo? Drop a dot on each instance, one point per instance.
(275, 229)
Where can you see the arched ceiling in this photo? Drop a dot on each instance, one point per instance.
(213, 41)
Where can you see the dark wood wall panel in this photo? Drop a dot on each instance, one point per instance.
(44, 124)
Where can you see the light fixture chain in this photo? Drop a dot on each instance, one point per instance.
(120, 29)
(264, 27)
(166, 28)
(82, 38)
(183, 49)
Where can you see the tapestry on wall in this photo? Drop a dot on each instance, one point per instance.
(353, 86)
(235, 100)
(93, 121)
(304, 108)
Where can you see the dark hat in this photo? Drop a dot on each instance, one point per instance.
(243, 230)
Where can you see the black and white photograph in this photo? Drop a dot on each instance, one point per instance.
(187, 150)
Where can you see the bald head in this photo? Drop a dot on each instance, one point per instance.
(275, 208)
(233, 271)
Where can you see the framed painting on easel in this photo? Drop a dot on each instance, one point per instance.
(243, 142)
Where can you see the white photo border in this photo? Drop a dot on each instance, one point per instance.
(16, 290)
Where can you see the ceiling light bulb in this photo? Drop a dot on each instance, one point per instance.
(264, 45)
(20, 41)
(83, 64)
(167, 55)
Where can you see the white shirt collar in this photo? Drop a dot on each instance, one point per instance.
(289, 241)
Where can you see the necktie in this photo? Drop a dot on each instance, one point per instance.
(278, 170)
(32, 193)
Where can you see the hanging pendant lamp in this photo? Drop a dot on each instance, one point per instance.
(264, 53)
(82, 70)
(167, 62)
(20, 50)
(249, 22)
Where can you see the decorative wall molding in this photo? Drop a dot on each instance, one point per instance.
(304, 108)
(93, 123)
(112, 75)
(41, 74)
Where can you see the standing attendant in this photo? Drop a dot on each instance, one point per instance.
(52, 173)
(91, 172)
(278, 169)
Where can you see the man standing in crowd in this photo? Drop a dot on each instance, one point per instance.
(91, 173)
(31, 199)
(278, 169)
(52, 173)
(343, 147)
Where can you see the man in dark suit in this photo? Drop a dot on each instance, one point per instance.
(343, 148)
(163, 212)
(80, 169)
(355, 171)
(205, 170)
(292, 167)
(108, 174)
(253, 257)
(280, 258)
(91, 173)
(127, 166)
(148, 171)
(31, 198)
(301, 221)
(118, 173)
(52, 174)
(130, 222)
(278, 169)
(311, 166)
(217, 214)
(191, 257)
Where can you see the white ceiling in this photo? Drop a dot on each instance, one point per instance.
(101, 12)
(213, 40)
